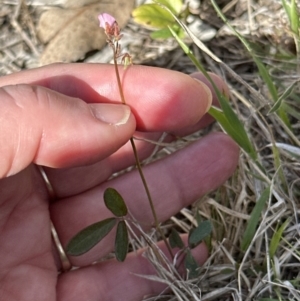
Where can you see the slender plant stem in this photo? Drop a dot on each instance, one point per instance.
(119, 81)
(139, 167)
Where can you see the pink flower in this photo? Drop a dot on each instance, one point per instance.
(106, 18)
(110, 26)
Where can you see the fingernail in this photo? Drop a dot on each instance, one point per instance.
(111, 113)
(208, 93)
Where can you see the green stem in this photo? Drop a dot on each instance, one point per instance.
(139, 167)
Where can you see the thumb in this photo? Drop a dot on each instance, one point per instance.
(45, 127)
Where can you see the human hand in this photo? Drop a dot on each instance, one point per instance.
(50, 120)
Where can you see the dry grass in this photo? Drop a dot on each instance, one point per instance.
(268, 269)
(261, 271)
(264, 270)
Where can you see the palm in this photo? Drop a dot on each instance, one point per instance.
(27, 265)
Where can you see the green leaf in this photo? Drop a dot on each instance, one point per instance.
(283, 97)
(261, 67)
(293, 15)
(114, 202)
(152, 15)
(234, 129)
(174, 5)
(254, 219)
(191, 265)
(121, 242)
(196, 235)
(175, 240)
(227, 118)
(87, 238)
(163, 34)
(264, 73)
(277, 237)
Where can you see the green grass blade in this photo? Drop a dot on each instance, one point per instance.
(295, 22)
(291, 111)
(276, 238)
(293, 15)
(284, 95)
(264, 73)
(254, 219)
(238, 135)
(261, 67)
(228, 120)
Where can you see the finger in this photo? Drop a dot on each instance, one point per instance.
(112, 280)
(124, 154)
(48, 128)
(82, 178)
(174, 182)
(206, 119)
(161, 100)
(87, 177)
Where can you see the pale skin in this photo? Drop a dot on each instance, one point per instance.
(47, 117)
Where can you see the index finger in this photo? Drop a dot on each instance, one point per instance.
(161, 100)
